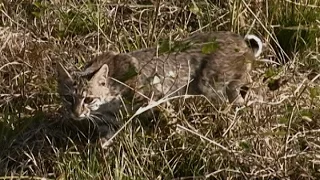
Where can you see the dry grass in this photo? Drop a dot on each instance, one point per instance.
(274, 139)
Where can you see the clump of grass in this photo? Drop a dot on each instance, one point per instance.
(295, 26)
(273, 139)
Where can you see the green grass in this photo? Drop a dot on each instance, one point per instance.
(271, 140)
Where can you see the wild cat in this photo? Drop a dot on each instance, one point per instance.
(214, 64)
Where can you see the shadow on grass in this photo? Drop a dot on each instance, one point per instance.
(32, 145)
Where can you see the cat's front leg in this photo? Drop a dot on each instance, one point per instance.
(104, 136)
(107, 129)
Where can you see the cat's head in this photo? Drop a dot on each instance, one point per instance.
(85, 97)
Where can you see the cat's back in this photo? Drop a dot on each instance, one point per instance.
(219, 36)
(226, 42)
(221, 48)
(222, 42)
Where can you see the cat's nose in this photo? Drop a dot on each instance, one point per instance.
(79, 112)
(76, 116)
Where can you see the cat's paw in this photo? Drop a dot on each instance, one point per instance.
(105, 134)
(105, 142)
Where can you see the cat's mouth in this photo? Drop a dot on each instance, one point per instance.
(88, 112)
(77, 118)
(80, 116)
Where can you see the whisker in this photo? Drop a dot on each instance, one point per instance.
(93, 118)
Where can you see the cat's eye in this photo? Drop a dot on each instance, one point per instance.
(88, 100)
(68, 98)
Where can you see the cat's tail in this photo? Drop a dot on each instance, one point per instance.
(255, 43)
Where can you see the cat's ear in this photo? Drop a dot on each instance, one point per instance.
(101, 76)
(62, 73)
(103, 71)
